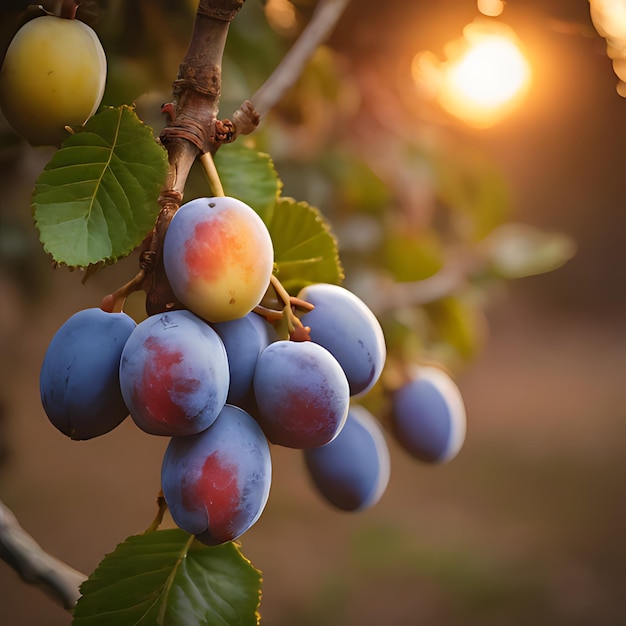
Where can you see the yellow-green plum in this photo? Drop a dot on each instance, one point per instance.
(218, 257)
(53, 76)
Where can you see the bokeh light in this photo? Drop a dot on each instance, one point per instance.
(491, 8)
(484, 77)
(282, 16)
(609, 19)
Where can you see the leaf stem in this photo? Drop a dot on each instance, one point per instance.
(208, 164)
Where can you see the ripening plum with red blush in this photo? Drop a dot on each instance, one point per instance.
(216, 483)
(302, 394)
(218, 257)
(174, 374)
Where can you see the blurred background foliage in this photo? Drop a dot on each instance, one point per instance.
(434, 220)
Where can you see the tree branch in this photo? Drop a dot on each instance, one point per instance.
(319, 28)
(191, 127)
(322, 23)
(386, 295)
(34, 565)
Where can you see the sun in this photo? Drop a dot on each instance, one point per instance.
(489, 74)
(485, 76)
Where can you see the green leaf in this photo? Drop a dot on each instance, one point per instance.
(358, 186)
(516, 250)
(305, 250)
(249, 176)
(412, 256)
(168, 578)
(474, 191)
(457, 328)
(96, 199)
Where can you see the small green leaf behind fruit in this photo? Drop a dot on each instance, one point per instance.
(305, 250)
(412, 256)
(457, 329)
(249, 176)
(167, 578)
(96, 199)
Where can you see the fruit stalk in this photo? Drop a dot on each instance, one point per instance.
(212, 175)
(68, 9)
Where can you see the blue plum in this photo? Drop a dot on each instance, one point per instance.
(244, 339)
(79, 377)
(352, 471)
(428, 416)
(302, 394)
(174, 374)
(216, 483)
(347, 328)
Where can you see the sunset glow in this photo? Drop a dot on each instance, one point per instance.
(484, 77)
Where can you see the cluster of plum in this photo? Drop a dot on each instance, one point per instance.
(218, 379)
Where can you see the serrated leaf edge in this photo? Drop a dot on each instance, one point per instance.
(109, 260)
(321, 219)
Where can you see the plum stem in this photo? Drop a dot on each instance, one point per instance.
(158, 519)
(68, 9)
(208, 164)
(294, 325)
(114, 302)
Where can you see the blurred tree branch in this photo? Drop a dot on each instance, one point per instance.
(327, 14)
(34, 565)
(385, 294)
